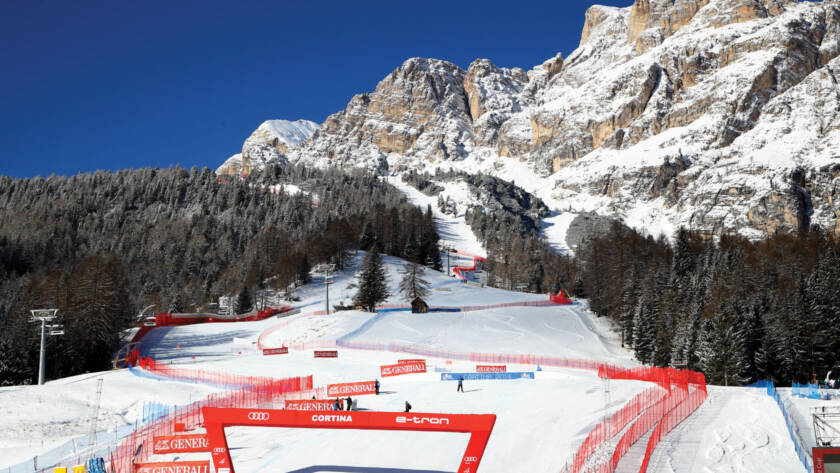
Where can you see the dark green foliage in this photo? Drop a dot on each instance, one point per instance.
(243, 300)
(734, 309)
(373, 286)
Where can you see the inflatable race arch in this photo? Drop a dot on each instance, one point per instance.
(216, 419)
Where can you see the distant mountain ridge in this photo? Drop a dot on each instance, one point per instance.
(715, 115)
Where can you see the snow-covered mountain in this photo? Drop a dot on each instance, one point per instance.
(270, 142)
(717, 115)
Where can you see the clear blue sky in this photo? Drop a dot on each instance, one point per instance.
(105, 84)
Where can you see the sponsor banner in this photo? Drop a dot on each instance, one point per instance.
(181, 443)
(402, 368)
(173, 467)
(326, 353)
(486, 376)
(276, 351)
(490, 368)
(310, 405)
(351, 389)
(402, 362)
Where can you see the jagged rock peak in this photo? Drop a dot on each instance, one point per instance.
(418, 109)
(269, 143)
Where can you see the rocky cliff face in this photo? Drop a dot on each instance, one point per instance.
(718, 115)
(270, 142)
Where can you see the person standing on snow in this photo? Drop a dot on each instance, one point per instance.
(460, 384)
(349, 402)
(407, 406)
(336, 406)
(376, 386)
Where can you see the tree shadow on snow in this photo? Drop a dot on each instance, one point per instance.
(359, 469)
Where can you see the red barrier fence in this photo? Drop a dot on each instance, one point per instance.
(459, 270)
(252, 391)
(660, 408)
(167, 320)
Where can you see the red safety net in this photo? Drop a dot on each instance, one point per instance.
(167, 320)
(252, 392)
(460, 270)
(676, 395)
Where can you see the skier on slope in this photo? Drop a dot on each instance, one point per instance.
(376, 386)
(460, 384)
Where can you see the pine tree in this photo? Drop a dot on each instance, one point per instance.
(721, 349)
(412, 284)
(373, 287)
(14, 367)
(244, 300)
(644, 329)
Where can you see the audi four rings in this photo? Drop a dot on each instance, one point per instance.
(258, 416)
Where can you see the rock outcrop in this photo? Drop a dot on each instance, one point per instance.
(269, 143)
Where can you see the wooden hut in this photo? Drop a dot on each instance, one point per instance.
(419, 306)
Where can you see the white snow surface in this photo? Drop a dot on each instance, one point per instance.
(736, 429)
(292, 133)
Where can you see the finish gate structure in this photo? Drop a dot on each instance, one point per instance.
(216, 419)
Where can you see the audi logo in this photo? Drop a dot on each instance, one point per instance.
(258, 416)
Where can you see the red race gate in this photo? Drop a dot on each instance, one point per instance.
(216, 419)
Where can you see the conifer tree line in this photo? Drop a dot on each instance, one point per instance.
(736, 310)
(101, 246)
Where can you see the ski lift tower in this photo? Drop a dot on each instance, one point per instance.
(43, 316)
(826, 454)
(327, 269)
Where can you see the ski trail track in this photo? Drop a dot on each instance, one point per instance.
(735, 430)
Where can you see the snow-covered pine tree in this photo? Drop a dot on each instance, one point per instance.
(14, 368)
(721, 348)
(644, 324)
(412, 284)
(373, 287)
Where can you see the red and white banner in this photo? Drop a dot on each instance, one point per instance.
(491, 369)
(403, 368)
(276, 351)
(354, 389)
(402, 362)
(173, 467)
(310, 405)
(326, 353)
(181, 443)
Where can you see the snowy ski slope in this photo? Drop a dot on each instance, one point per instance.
(540, 422)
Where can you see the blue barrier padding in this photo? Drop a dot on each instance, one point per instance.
(394, 309)
(486, 376)
(771, 391)
(444, 309)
